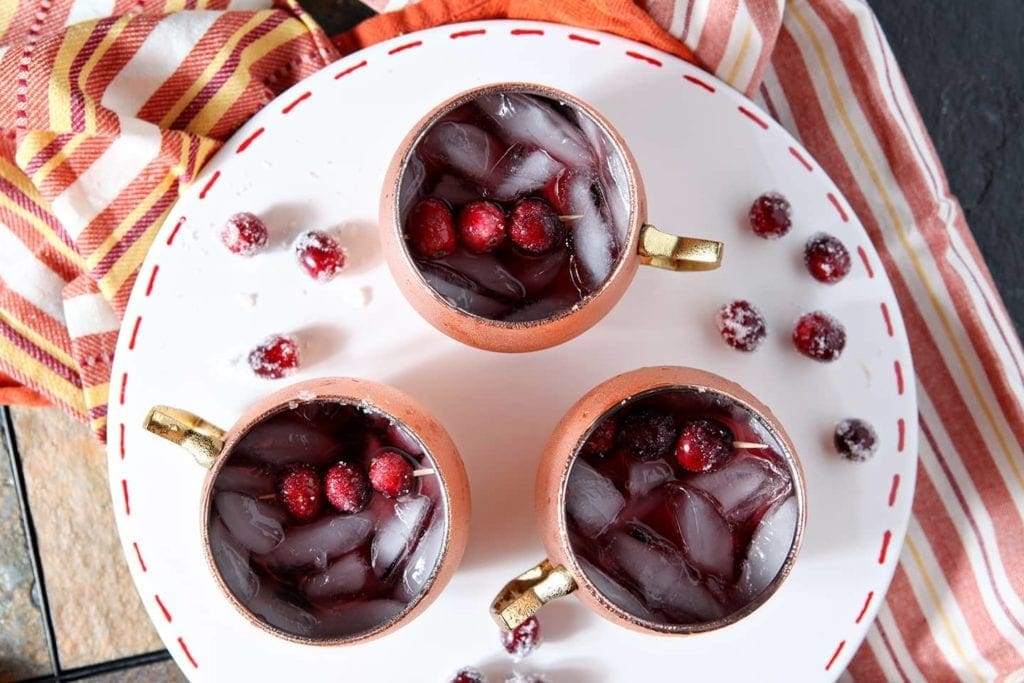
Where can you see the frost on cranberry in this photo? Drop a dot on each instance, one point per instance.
(244, 234)
(300, 493)
(771, 216)
(320, 255)
(602, 439)
(347, 488)
(522, 640)
(819, 336)
(468, 675)
(741, 325)
(540, 198)
(826, 258)
(703, 445)
(276, 357)
(855, 440)
(391, 474)
(646, 434)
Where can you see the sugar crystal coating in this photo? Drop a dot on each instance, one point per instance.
(855, 440)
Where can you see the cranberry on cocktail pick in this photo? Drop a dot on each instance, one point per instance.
(319, 254)
(244, 234)
(741, 325)
(602, 440)
(703, 445)
(819, 336)
(855, 440)
(276, 357)
(534, 227)
(430, 229)
(522, 640)
(827, 259)
(482, 226)
(647, 434)
(391, 475)
(771, 216)
(347, 488)
(299, 492)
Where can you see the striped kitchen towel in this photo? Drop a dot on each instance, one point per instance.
(108, 117)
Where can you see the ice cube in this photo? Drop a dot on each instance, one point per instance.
(456, 191)
(593, 241)
(591, 499)
(288, 438)
(312, 545)
(412, 183)
(401, 438)
(466, 149)
(358, 617)
(419, 566)
(249, 479)
(345, 576)
(232, 560)
(612, 174)
(527, 120)
(255, 524)
(660, 575)
(707, 537)
(616, 593)
(486, 272)
(461, 292)
(521, 171)
(769, 548)
(746, 484)
(644, 477)
(279, 611)
(395, 533)
(545, 307)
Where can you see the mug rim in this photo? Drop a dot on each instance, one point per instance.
(624, 267)
(701, 380)
(449, 554)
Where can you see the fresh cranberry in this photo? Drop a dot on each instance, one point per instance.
(275, 358)
(319, 254)
(647, 434)
(819, 336)
(827, 258)
(741, 325)
(468, 675)
(299, 492)
(556, 192)
(534, 226)
(391, 474)
(482, 226)
(602, 440)
(244, 234)
(771, 216)
(523, 640)
(703, 445)
(347, 488)
(855, 440)
(430, 229)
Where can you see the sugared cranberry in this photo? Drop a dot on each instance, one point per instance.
(602, 440)
(347, 488)
(482, 226)
(647, 434)
(430, 229)
(299, 492)
(771, 216)
(827, 258)
(741, 325)
(855, 440)
(523, 640)
(819, 336)
(468, 675)
(244, 234)
(534, 226)
(319, 254)
(276, 357)
(703, 445)
(391, 474)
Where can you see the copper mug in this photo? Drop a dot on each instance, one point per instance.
(642, 243)
(214, 448)
(562, 573)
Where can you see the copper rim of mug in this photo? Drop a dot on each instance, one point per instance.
(452, 547)
(701, 381)
(626, 262)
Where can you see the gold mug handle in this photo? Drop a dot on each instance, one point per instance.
(203, 440)
(662, 250)
(524, 595)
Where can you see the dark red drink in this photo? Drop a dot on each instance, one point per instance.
(328, 520)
